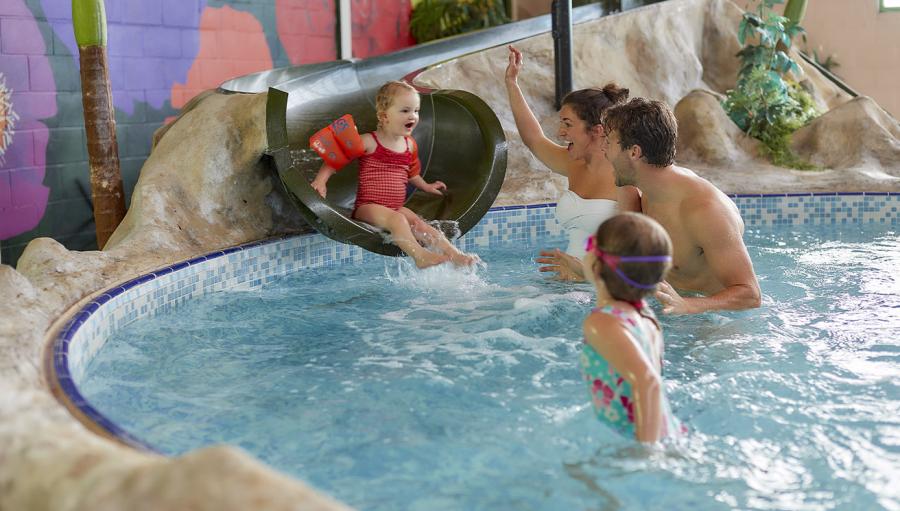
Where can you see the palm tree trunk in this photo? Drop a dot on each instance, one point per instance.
(795, 10)
(99, 118)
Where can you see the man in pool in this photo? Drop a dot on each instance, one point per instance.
(710, 261)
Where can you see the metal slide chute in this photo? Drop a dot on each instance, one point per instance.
(460, 139)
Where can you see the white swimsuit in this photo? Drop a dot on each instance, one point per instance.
(580, 218)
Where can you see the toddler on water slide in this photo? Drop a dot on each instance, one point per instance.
(388, 160)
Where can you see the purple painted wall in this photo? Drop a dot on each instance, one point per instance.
(26, 69)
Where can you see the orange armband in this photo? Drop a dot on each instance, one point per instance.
(338, 143)
(415, 167)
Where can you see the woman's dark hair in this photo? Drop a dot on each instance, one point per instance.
(589, 104)
(632, 234)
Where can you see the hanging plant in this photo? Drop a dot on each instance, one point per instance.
(436, 19)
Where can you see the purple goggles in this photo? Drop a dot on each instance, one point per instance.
(613, 262)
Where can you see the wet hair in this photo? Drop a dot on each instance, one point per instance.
(648, 124)
(632, 234)
(385, 95)
(589, 104)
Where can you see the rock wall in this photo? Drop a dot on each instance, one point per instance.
(202, 188)
(684, 54)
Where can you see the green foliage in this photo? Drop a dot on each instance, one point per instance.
(89, 22)
(608, 5)
(436, 19)
(764, 103)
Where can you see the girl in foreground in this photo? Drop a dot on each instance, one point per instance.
(623, 344)
(390, 161)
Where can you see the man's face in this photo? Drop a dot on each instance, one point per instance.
(620, 160)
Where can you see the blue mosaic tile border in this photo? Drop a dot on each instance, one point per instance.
(255, 264)
(819, 208)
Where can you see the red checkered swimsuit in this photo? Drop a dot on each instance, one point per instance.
(383, 175)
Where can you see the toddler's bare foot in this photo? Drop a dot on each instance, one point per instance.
(463, 259)
(428, 259)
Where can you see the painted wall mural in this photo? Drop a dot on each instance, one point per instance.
(31, 91)
(161, 54)
(8, 117)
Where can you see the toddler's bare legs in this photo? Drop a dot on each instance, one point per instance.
(429, 235)
(399, 227)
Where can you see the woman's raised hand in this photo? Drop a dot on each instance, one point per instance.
(515, 64)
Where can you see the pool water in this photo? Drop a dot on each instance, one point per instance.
(446, 390)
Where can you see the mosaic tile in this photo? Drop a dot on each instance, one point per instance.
(253, 265)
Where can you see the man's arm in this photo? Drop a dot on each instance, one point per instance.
(718, 230)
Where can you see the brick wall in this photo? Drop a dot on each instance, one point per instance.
(161, 53)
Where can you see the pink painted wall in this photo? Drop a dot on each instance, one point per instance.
(866, 43)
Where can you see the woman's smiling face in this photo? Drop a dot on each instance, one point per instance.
(574, 133)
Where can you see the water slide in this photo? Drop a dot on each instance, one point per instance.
(460, 139)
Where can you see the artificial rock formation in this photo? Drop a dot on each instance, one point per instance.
(683, 53)
(204, 188)
(707, 134)
(858, 133)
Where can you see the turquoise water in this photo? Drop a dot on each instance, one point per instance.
(443, 390)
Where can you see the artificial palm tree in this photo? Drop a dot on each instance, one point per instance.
(794, 10)
(108, 195)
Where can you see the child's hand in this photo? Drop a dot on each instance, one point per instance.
(319, 187)
(436, 188)
(515, 64)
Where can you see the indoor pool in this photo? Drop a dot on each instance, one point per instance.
(446, 390)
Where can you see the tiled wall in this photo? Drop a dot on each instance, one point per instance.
(819, 208)
(255, 264)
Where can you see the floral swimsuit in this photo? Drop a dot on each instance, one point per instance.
(611, 395)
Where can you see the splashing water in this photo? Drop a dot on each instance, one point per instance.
(446, 389)
(305, 158)
(444, 279)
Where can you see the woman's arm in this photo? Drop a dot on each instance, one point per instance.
(610, 340)
(553, 155)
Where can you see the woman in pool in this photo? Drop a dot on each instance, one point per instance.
(621, 360)
(592, 196)
(389, 161)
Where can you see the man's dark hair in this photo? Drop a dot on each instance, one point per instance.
(645, 123)
(589, 104)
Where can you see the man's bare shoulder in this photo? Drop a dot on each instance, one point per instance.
(702, 199)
